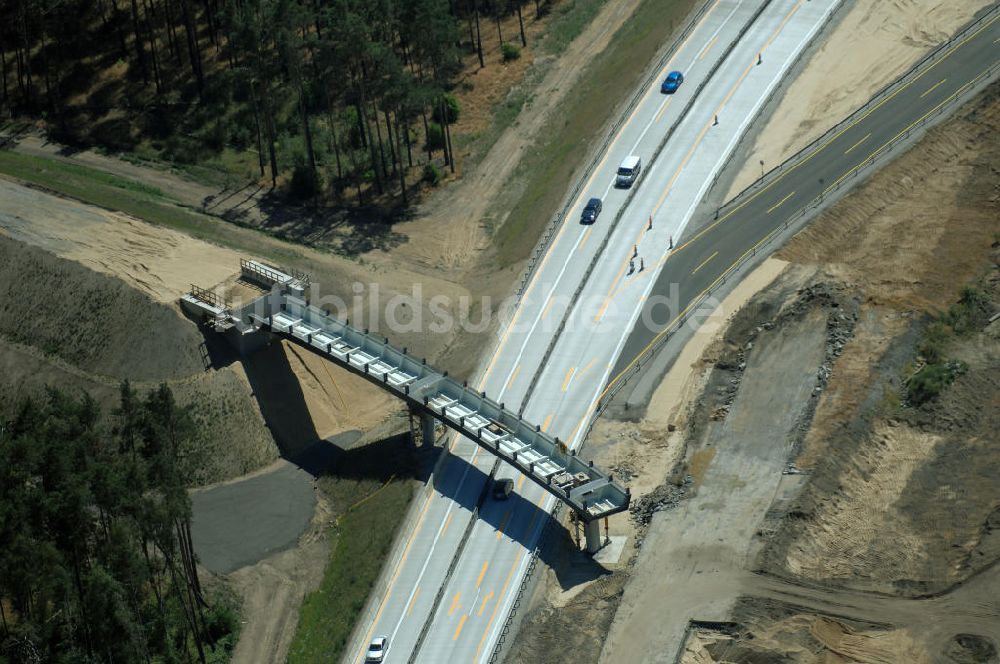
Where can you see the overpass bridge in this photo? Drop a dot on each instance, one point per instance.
(285, 312)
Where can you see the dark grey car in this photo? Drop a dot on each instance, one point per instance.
(590, 212)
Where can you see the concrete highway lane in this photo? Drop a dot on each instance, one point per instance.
(720, 244)
(466, 623)
(419, 568)
(458, 616)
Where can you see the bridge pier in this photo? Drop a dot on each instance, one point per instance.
(592, 532)
(427, 429)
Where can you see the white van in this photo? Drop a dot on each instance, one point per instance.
(628, 171)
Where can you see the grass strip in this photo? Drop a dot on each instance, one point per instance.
(548, 171)
(112, 192)
(363, 540)
(571, 18)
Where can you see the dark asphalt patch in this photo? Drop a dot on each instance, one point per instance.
(241, 523)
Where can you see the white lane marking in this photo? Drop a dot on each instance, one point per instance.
(666, 99)
(600, 384)
(562, 271)
(571, 255)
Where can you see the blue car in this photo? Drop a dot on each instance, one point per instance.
(672, 82)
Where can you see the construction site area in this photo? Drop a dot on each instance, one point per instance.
(810, 478)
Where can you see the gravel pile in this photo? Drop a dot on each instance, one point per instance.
(663, 497)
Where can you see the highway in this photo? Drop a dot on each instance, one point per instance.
(697, 263)
(442, 603)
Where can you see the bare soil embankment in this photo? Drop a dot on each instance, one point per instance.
(64, 325)
(896, 524)
(885, 501)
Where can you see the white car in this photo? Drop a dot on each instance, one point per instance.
(376, 649)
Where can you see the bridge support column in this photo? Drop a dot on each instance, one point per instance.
(592, 533)
(427, 429)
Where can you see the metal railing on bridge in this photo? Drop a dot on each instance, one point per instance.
(544, 459)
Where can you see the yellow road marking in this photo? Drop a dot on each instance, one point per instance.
(454, 603)
(752, 198)
(782, 26)
(833, 138)
(569, 374)
(503, 524)
(708, 47)
(663, 110)
(586, 236)
(933, 88)
(548, 307)
(589, 364)
(520, 481)
(548, 420)
(705, 261)
(482, 606)
(549, 251)
(867, 136)
(399, 567)
(482, 573)
(447, 523)
(779, 203)
(409, 607)
(512, 377)
(910, 126)
(732, 91)
(621, 271)
(506, 582)
(670, 185)
(461, 624)
(532, 284)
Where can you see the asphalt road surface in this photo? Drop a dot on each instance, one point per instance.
(239, 523)
(446, 601)
(696, 263)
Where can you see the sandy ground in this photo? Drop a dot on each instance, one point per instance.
(679, 386)
(448, 234)
(895, 504)
(306, 399)
(875, 42)
(574, 593)
(644, 452)
(158, 261)
(857, 529)
(310, 400)
(905, 509)
(710, 533)
(779, 621)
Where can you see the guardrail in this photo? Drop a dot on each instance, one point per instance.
(543, 243)
(628, 200)
(523, 586)
(796, 220)
(859, 114)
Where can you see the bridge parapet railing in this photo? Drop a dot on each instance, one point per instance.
(543, 458)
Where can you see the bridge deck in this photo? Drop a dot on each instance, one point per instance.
(541, 457)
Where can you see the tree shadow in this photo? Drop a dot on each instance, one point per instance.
(347, 231)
